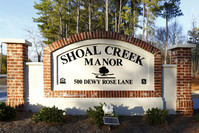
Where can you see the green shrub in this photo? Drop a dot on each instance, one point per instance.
(96, 114)
(7, 112)
(197, 118)
(49, 115)
(156, 116)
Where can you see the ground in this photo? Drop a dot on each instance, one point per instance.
(81, 124)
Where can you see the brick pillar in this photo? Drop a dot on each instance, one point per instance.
(17, 55)
(181, 56)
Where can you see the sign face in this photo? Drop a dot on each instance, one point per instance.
(102, 64)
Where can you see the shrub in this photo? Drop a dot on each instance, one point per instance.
(96, 114)
(7, 112)
(197, 118)
(156, 116)
(49, 115)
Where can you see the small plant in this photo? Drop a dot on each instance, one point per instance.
(197, 118)
(7, 112)
(49, 115)
(96, 114)
(156, 116)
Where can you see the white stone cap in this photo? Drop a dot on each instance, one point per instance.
(34, 63)
(169, 66)
(181, 46)
(16, 41)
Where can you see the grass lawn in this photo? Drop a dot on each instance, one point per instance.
(3, 81)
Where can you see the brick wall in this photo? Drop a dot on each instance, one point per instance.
(17, 54)
(182, 58)
(49, 93)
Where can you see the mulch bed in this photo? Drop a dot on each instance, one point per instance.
(81, 124)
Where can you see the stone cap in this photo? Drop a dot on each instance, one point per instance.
(16, 41)
(169, 66)
(181, 46)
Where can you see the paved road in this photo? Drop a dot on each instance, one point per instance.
(3, 96)
(3, 75)
(3, 93)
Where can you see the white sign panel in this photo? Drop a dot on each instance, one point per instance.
(102, 64)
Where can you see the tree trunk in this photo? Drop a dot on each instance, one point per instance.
(143, 23)
(39, 58)
(165, 49)
(147, 24)
(60, 21)
(89, 17)
(66, 34)
(134, 18)
(106, 19)
(119, 20)
(77, 28)
(115, 19)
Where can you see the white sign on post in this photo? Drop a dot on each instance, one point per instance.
(102, 64)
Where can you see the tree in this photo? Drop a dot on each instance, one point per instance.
(194, 39)
(143, 20)
(175, 34)
(3, 64)
(169, 9)
(78, 8)
(89, 19)
(119, 20)
(37, 40)
(106, 18)
(160, 37)
(135, 12)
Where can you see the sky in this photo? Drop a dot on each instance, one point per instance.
(16, 16)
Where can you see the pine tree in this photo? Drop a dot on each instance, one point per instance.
(169, 9)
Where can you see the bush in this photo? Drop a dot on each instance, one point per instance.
(96, 114)
(7, 112)
(156, 116)
(197, 118)
(49, 115)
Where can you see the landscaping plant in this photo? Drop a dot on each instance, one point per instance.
(96, 114)
(156, 116)
(197, 117)
(7, 112)
(49, 115)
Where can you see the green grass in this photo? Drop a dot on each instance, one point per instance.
(3, 81)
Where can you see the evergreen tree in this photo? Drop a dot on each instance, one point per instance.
(169, 9)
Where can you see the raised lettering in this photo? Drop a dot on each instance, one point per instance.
(79, 53)
(88, 61)
(106, 50)
(117, 51)
(71, 57)
(64, 60)
(139, 60)
(95, 50)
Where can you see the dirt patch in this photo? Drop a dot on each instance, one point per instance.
(80, 124)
